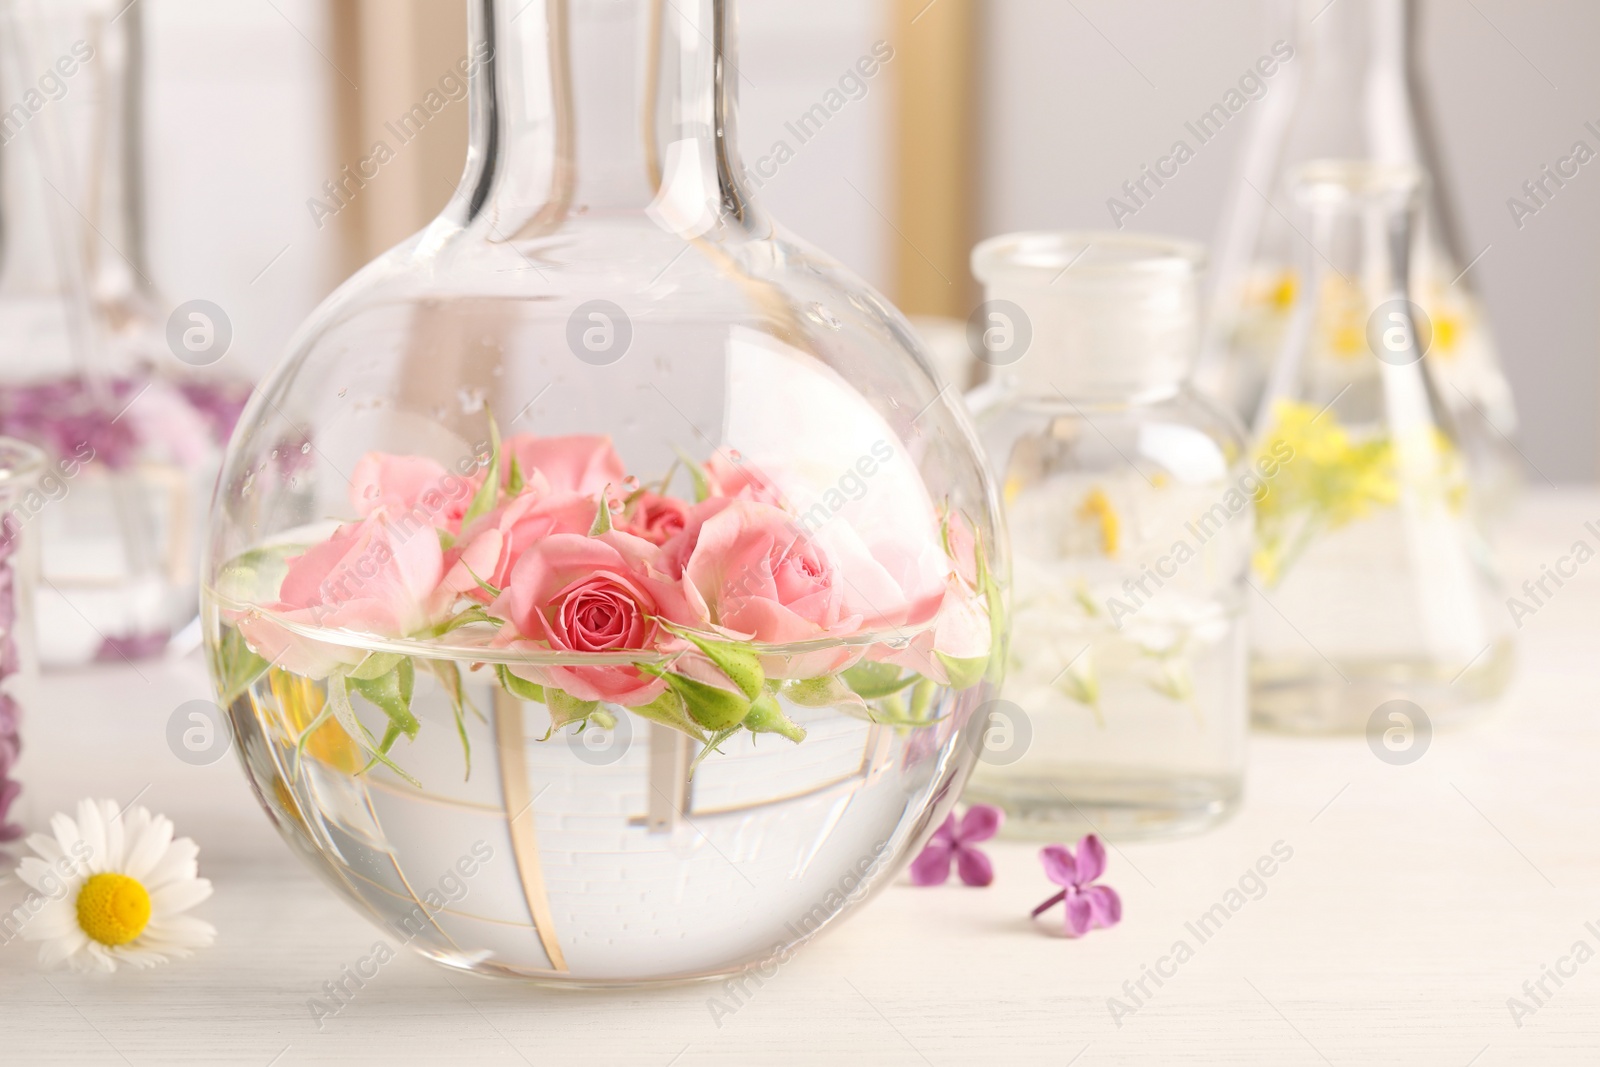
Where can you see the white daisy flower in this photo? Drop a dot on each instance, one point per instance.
(112, 889)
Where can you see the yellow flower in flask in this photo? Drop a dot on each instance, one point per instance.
(1097, 508)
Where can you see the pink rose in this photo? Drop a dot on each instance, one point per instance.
(736, 478)
(576, 464)
(755, 573)
(960, 632)
(657, 519)
(376, 577)
(413, 486)
(491, 546)
(573, 593)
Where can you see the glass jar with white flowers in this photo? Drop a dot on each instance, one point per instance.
(1129, 501)
(603, 590)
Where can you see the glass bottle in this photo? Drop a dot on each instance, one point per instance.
(606, 539)
(85, 369)
(1351, 92)
(1128, 498)
(1375, 581)
(25, 479)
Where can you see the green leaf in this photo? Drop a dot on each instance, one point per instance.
(873, 681)
(566, 708)
(515, 482)
(520, 688)
(602, 514)
(376, 665)
(391, 692)
(488, 493)
(708, 705)
(236, 666)
(767, 717)
(964, 673)
(668, 710)
(737, 660)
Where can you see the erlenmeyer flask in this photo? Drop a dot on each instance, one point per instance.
(132, 434)
(1375, 582)
(1350, 93)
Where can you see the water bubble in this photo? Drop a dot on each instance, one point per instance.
(820, 313)
(343, 391)
(305, 449)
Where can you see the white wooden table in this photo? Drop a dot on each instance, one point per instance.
(1417, 901)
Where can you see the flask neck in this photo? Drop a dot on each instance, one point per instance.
(601, 108)
(1357, 61)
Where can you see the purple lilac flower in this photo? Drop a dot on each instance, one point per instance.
(1088, 905)
(956, 841)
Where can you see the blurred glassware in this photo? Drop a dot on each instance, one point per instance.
(86, 371)
(1376, 581)
(23, 472)
(1351, 92)
(1128, 500)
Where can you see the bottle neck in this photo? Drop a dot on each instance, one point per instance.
(601, 108)
(1357, 58)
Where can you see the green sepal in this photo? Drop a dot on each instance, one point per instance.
(710, 706)
(825, 692)
(668, 710)
(713, 743)
(475, 613)
(391, 692)
(376, 665)
(873, 681)
(449, 676)
(520, 688)
(566, 708)
(964, 673)
(736, 660)
(767, 717)
(345, 716)
(235, 665)
(515, 481)
(702, 484)
(488, 493)
(602, 514)
(922, 699)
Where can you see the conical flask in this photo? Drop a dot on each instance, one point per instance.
(1350, 92)
(1373, 581)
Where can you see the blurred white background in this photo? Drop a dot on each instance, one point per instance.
(1076, 96)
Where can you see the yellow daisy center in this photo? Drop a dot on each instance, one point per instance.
(113, 908)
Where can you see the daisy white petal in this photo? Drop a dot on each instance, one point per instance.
(178, 864)
(145, 851)
(175, 897)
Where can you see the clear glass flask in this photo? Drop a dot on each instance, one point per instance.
(1351, 91)
(1376, 582)
(1128, 498)
(86, 369)
(607, 540)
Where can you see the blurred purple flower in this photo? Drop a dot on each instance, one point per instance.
(1088, 905)
(954, 841)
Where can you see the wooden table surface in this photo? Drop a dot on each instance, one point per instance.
(1416, 903)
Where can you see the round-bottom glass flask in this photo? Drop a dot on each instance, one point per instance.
(1129, 501)
(603, 589)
